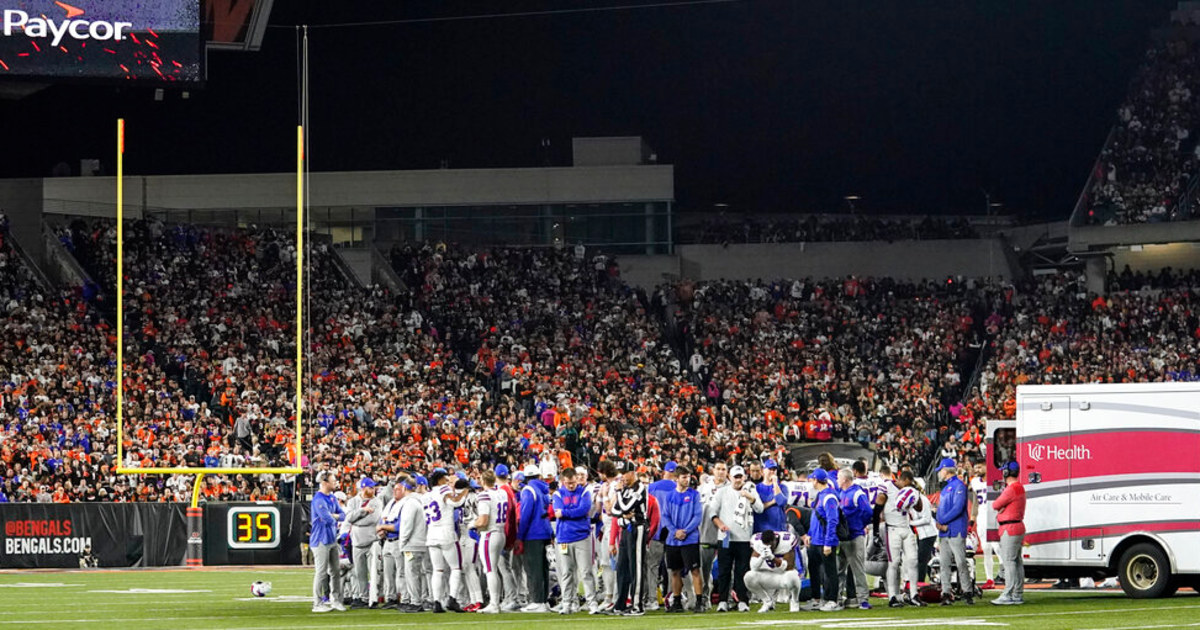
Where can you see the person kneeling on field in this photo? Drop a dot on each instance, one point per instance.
(772, 569)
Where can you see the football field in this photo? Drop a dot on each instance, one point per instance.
(215, 599)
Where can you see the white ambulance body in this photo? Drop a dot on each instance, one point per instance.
(1112, 479)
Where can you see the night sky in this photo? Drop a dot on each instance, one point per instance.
(766, 105)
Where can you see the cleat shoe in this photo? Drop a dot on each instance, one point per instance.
(321, 608)
(743, 607)
(895, 603)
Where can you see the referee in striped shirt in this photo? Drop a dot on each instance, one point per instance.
(631, 510)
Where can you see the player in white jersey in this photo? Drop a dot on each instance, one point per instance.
(773, 569)
(444, 551)
(871, 483)
(979, 490)
(493, 514)
(898, 499)
(467, 543)
(604, 501)
(800, 494)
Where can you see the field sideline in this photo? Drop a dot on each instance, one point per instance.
(221, 600)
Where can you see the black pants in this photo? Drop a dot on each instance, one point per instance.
(732, 564)
(537, 570)
(629, 567)
(924, 555)
(822, 571)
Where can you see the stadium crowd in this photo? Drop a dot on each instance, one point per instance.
(727, 229)
(502, 355)
(1152, 156)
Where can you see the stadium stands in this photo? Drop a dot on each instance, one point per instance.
(502, 355)
(1146, 173)
(728, 229)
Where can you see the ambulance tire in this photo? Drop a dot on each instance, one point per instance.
(1144, 572)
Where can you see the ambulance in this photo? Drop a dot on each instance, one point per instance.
(1112, 480)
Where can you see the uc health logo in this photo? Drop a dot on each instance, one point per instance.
(1041, 452)
(43, 27)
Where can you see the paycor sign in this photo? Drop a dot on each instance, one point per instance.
(16, 21)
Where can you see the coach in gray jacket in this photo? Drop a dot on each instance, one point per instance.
(362, 512)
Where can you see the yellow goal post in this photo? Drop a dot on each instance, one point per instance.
(201, 471)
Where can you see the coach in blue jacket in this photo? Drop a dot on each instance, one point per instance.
(681, 514)
(952, 530)
(533, 534)
(822, 541)
(572, 504)
(852, 554)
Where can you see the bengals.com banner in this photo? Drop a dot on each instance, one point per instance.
(54, 535)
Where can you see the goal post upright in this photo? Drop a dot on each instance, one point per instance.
(295, 468)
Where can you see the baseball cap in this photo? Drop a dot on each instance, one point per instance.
(670, 467)
(366, 482)
(1012, 469)
(501, 470)
(520, 477)
(422, 481)
(341, 496)
(460, 474)
(737, 471)
(531, 470)
(770, 464)
(946, 463)
(819, 475)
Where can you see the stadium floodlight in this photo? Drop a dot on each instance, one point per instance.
(201, 471)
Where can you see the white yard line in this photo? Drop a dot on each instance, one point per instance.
(1169, 625)
(824, 618)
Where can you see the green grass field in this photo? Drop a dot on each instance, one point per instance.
(221, 600)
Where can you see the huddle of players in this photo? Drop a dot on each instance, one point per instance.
(424, 544)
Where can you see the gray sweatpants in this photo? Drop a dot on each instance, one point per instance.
(608, 566)
(416, 576)
(852, 558)
(708, 553)
(654, 557)
(575, 565)
(1014, 566)
(952, 551)
(365, 573)
(328, 575)
(393, 572)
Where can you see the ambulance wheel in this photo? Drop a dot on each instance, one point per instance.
(1145, 573)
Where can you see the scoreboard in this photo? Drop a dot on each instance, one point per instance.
(153, 41)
